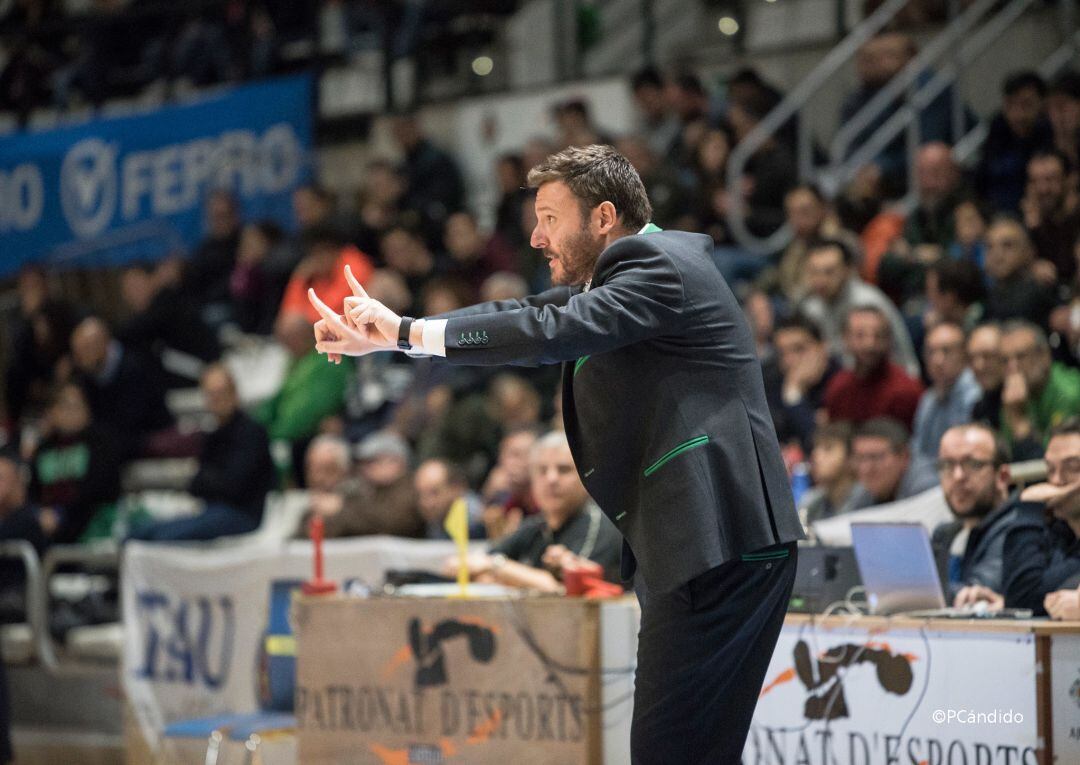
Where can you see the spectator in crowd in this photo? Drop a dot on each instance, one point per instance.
(970, 220)
(884, 466)
(439, 484)
(810, 220)
(954, 293)
(379, 201)
(323, 269)
(38, 340)
(656, 122)
(379, 499)
(75, 469)
(574, 125)
(235, 471)
(1038, 392)
(510, 176)
(689, 101)
(503, 285)
(163, 321)
(433, 183)
(125, 390)
(1041, 558)
(207, 272)
(873, 386)
(988, 367)
(876, 63)
(928, 231)
(1014, 293)
(662, 183)
(507, 491)
(707, 176)
(832, 472)
(953, 391)
(833, 289)
(1063, 112)
(972, 465)
(474, 255)
(761, 315)
(1016, 132)
(1052, 216)
(310, 392)
(19, 518)
(568, 522)
(404, 252)
(796, 379)
(258, 280)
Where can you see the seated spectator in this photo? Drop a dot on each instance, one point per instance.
(1038, 393)
(235, 471)
(19, 518)
(256, 285)
(761, 315)
(507, 491)
(433, 184)
(954, 293)
(323, 269)
(1039, 557)
(972, 466)
(379, 499)
(884, 466)
(568, 521)
(503, 286)
(510, 174)
(928, 230)
(575, 125)
(831, 469)
(163, 321)
(404, 252)
(796, 379)
(1016, 132)
(1014, 293)
(970, 220)
(988, 367)
(656, 122)
(1063, 113)
(873, 386)
(379, 203)
(953, 391)
(666, 191)
(207, 271)
(474, 255)
(311, 391)
(125, 390)
(38, 340)
(439, 484)
(75, 469)
(833, 288)
(1052, 216)
(810, 220)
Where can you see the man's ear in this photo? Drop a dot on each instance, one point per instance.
(608, 217)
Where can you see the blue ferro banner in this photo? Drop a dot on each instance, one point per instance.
(115, 190)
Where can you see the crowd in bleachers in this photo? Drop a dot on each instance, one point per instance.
(879, 328)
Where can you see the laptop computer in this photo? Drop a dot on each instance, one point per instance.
(900, 574)
(823, 576)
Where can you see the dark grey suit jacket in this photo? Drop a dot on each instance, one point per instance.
(663, 402)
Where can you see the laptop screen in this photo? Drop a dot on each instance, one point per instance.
(897, 567)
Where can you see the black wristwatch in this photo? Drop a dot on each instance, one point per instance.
(403, 333)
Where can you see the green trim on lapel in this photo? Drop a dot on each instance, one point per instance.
(774, 555)
(651, 228)
(579, 364)
(693, 443)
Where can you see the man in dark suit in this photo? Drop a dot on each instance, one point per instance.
(665, 412)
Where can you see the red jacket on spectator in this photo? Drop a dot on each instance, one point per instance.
(889, 392)
(333, 289)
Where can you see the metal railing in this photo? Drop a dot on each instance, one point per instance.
(955, 47)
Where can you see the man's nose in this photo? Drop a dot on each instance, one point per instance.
(538, 241)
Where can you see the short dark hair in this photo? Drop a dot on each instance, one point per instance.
(833, 432)
(801, 322)
(868, 308)
(1070, 426)
(885, 428)
(455, 473)
(961, 278)
(690, 82)
(324, 194)
(1002, 453)
(321, 235)
(649, 77)
(810, 188)
(597, 174)
(1044, 154)
(1066, 83)
(1022, 80)
(827, 244)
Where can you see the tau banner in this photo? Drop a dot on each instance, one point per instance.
(386, 681)
(124, 188)
(860, 696)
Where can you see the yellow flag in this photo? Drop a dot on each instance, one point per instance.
(457, 526)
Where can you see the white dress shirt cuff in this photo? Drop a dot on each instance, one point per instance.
(432, 339)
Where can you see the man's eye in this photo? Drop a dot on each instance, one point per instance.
(551, 219)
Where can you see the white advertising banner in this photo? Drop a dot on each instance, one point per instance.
(194, 617)
(1065, 696)
(857, 696)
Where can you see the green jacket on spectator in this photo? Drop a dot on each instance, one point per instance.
(312, 391)
(1060, 398)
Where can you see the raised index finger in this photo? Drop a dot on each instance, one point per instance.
(354, 285)
(325, 310)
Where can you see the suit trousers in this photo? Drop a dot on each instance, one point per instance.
(703, 651)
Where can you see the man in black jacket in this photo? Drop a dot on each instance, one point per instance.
(235, 471)
(665, 412)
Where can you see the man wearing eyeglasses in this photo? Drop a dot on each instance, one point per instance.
(973, 468)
